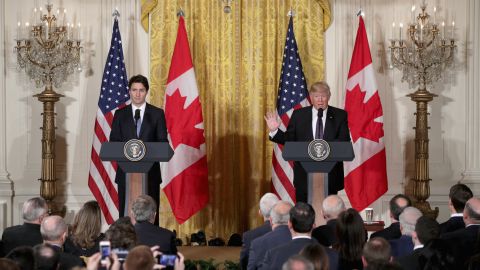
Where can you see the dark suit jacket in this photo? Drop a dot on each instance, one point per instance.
(325, 234)
(276, 257)
(152, 235)
(27, 234)
(68, 261)
(300, 129)
(248, 237)
(463, 243)
(153, 129)
(389, 233)
(279, 236)
(401, 246)
(452, 224)
(411, 261)
(70, 247)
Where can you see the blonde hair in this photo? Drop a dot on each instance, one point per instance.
(87, 225)
(320, 87)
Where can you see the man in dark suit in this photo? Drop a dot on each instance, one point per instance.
(28, 234)
(397, 204)
(267, 202)
(332, 206)
(458, 197)
(301, 223)
(404, 245)
(144, 210)
(376, 250)
(280, 234)
(143, 121)
(319, 121)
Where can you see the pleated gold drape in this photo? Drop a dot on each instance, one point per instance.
(237, 58)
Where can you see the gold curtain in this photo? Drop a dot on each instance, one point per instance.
(237, 58)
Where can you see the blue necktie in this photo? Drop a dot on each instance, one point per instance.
(319, 129)
(138, 122)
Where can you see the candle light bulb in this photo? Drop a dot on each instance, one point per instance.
(443, 30)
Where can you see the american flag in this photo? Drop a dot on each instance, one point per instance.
(113, 95)
(292, 94)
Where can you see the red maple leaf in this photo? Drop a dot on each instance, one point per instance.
(181, 122)
(361, 115)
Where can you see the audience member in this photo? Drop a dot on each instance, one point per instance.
(316, 254)
(332, 206)
(86, 231)
(376, 250)
(27, 234)
(23, 256)
(266, 203)
(46, 257)
(7, 264)
(144, 210)
(351, 238)
(139, 257)
(280, 234)
(298, 262)
(404, 245)
(301, 223)
(397, 204)
(463, 241)
(54, 233)
(121, 234)
(458, 197)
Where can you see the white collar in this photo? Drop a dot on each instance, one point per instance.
(302, 236)
(418, 246)
(456, 215)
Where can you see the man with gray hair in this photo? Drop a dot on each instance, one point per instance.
(298, 262)
(267, 201)
(408, 219)
(280, 234)
(27, 234)
(332, 206)
(144, 210)
(54, 231)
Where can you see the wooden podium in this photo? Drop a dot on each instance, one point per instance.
(318, 170)
(136, 172)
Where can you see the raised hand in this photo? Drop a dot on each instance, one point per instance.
(272, 120)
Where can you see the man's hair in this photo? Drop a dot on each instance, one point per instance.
(7, 264)
(474, 215)
(34, 208)
(427, 229)
(408, 218)
(459, 195)
(140, 257)
(23, 256)
(332, 206)
(121, 234)
(302, 217)
(395, 208)
(377, 249)
(144, 208)
(87, 225)
(280, 213)
(53, 228)
(293, 261)
(320, 87)
(316, 254)
(138, 79)
(266, 203)
(46, 257)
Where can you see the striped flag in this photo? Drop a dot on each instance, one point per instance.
(113, 95)
(292, 94)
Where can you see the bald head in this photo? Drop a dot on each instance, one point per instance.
(408, 220)
(471, 213)
(53, 230)
(332, 206)
(280, 213)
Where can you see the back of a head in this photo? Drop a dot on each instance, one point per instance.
(397, 204)
(46, 258)
(280, 213)
(459, 195)
(144, 208)
(332, 206)
(87, 225)
(377, 249)
(22, 256)
(33, 209)
(266, 203)
(427, 229)
(297, 262)
(381, 265)
(121, 234)
(7, 264)
(472, 211)
(139, 257)
(53, 229)
(316, 254)
(350, 234)
(302, 217)
(408, 219)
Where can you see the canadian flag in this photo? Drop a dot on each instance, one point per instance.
(365, 176)
(185, 176)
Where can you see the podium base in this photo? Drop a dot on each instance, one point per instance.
(135, 185)
(317, 191)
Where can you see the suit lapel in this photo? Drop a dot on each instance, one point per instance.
(329, 127)
(145, 122)
(130, 123)
(309, 120)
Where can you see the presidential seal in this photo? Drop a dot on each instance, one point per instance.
(318, 149)
(134, 150)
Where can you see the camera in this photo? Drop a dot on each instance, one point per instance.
(121, 254)
(104, 250)
(167, 260)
